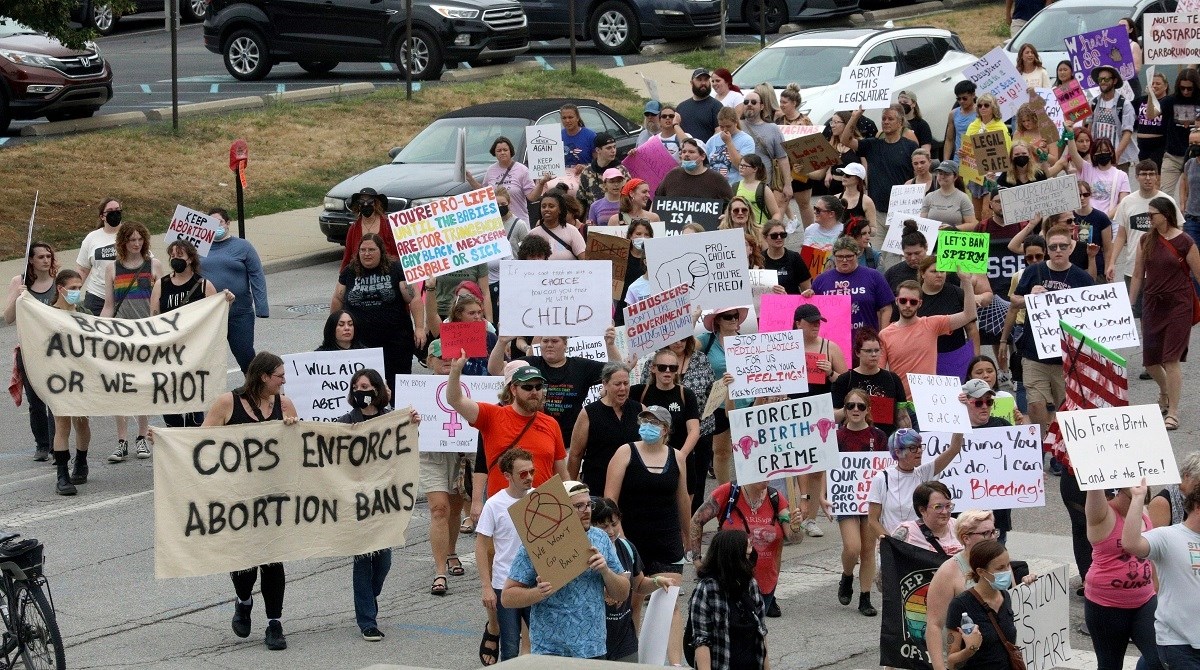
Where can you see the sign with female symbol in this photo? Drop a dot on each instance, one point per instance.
(442, 427)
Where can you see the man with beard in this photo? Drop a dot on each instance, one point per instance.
(518, 421)
(910, 344)
(768, 142)
(1113, 117)
(1179, 117)
(700, 111)
(604, 158)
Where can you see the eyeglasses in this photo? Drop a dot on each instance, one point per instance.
(993, 533)
(942, 507)
(531, 388)
(856, 406)
(666, 116)
(580, 506)
(666, 368)
(745, 166)
(1035, 258)
(843, 258)
(983, 402)
(985, 105)
(777, 236)
(818, 210)
(908, 301)
(1061, 246)
(913, 449)
(732, 316)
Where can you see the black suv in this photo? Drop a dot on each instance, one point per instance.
(619, 26)
(253, 35)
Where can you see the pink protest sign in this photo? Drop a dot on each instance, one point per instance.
(778, 310)
(650, 162)
(1074, 103)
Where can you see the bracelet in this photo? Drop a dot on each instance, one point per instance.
(656, 581)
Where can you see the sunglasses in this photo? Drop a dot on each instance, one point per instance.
(1035, 258)
(739, 210)
(777, 236)
(908, 301)
(531, 388)
(856, 406)
(964, 97)
(818, 210)
(983, 402)
(732, 316)
(666, 116)
(1085, 194)
(661, 367)
(1061, 246)
(751, 102)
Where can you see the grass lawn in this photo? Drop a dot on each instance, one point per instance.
(982, 28)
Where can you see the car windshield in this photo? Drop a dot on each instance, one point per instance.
(8, 28)
(803, 64)
(436, 143)
(1052, 25)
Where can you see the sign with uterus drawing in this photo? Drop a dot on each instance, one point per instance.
(783, 439)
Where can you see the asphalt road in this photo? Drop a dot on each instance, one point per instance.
(115, 614)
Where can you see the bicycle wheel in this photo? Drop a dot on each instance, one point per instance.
(41, 643)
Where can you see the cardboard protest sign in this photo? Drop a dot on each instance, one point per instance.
(849, 480)
(996, 74)
(937, 405)
(555, 297)
(967, 169)
(809, 153)
(792, 132)
(779, 312)
(866, 86)
(544, 150)
(601, 247)
(1115, 447)
(1049, 113)
(905, 199)
(469, 336)
(998, 468)
(793, 437)
(716, 398)
(1106, 46)
(713, 264)
(1171, 39)
(1073, 102)
(83, 365)
(679, 212)
(442, 428)
(963, 251)
(232, 497)
(552, 533)
(318, 382)
(650, 163)
(1042, 613)
(1102, 312)
(191, 226)
(991, 154)
(658, 320)
(766, 364)
(449, 234)
(1049, 196)
(927, 227)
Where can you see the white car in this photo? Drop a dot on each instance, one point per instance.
(929, 62)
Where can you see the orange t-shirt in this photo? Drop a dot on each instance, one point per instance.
(501, 425)
(913, 348)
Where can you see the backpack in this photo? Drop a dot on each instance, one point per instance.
(1120, 114)
(731, 507)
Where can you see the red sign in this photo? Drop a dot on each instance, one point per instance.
(815, 374)
(471, 336)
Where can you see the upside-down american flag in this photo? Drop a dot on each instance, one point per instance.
(1095, 377)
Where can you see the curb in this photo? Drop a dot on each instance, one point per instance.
(195, 109)
(320, 93)
(91, 123)
(904, 12)
(334, 253)
(485, 71)
(676, 47)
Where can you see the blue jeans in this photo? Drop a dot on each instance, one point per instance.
(1191, 226)
(241, 337)
(370, 570)
(1179, 657)
(510, 628)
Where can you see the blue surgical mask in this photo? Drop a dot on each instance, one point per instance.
(689, 165)
(639, 243)
(221, 233)
(74, 296)
(650, 433)
(1002, 581)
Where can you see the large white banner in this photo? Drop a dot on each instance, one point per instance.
(1115, 447)
(998, 468)
(713, 264)
(555, 297)
(233, 497)
(83, 365)
(1172, 39)
(1042, 612)
(1102, 312)
(442, 428)
(318, 382)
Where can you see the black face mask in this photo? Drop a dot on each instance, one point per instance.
(367, 210)
(178, 264)
(906, 107)
(112, 218)
(503, 210)
(361, 399)
(1020, 161)
(1193, 151)
(1102, 158)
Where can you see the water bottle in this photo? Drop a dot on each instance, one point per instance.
(967, 625)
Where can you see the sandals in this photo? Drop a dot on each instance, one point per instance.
(439, 586)
(454, 566)
(466, 526)
(489, 647)
(1164, 403)
(1171, 422)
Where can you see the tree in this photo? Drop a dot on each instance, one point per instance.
(54, 17)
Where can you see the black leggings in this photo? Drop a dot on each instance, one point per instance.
(1113, 628)
(1073, 500)
(698, 463)
(273, 582)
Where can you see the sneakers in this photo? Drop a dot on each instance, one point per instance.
(241, 618)
(275, 639)
(811, 529)
(41, 455)
(121, 453)
(142, 447)
(79, 473)
(846, 589)
(372, 634)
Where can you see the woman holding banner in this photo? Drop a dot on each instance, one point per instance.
(258, 400)
(857, 433)
(987, 121)
(38, 279)
(69, 296)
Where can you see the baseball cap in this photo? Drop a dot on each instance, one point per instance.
(656, 412)
(977, 388)
(526, 373)
(653, 107)
(854, 170)
(575, 487)
(700, 72)
(603, 139)
(613, 173)
(808, 313)
(949, 167)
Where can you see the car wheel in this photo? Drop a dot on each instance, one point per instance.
(193, 10)
(776, 15)
(427, 56)
(102, 18)
(614, 29)
(317, 67)
(246, 56)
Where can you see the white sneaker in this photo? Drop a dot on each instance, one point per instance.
(811, 528)
(143, 449)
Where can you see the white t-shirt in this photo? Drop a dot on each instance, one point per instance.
(732, 99)
(1133, 215)
(496, 524)
(896, 495)
(1175, 551)
(98, 251)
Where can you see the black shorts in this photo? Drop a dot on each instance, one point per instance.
(801, 186)
(722, 420)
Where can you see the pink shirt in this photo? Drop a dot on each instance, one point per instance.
(1118, 578)
(949, 542)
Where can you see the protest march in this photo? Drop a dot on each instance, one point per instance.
(847, 334)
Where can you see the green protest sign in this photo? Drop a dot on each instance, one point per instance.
(1005, 408)
(968, 251)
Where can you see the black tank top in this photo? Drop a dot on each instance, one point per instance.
(239, 414)
(648, 509)
(606, 433)
(46, 297)
(172, 297)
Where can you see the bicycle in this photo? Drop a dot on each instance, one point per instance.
(30, 630)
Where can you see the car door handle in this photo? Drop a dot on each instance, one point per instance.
(946, 78)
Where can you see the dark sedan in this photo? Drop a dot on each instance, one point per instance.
(424, 169)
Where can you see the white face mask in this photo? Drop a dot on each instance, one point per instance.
(639, 243)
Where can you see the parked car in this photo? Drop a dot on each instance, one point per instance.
(619, 26)
(99, 15)
(254, 35)
(779, 12)
(41, 77)
(423, 170)
(929, 62)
